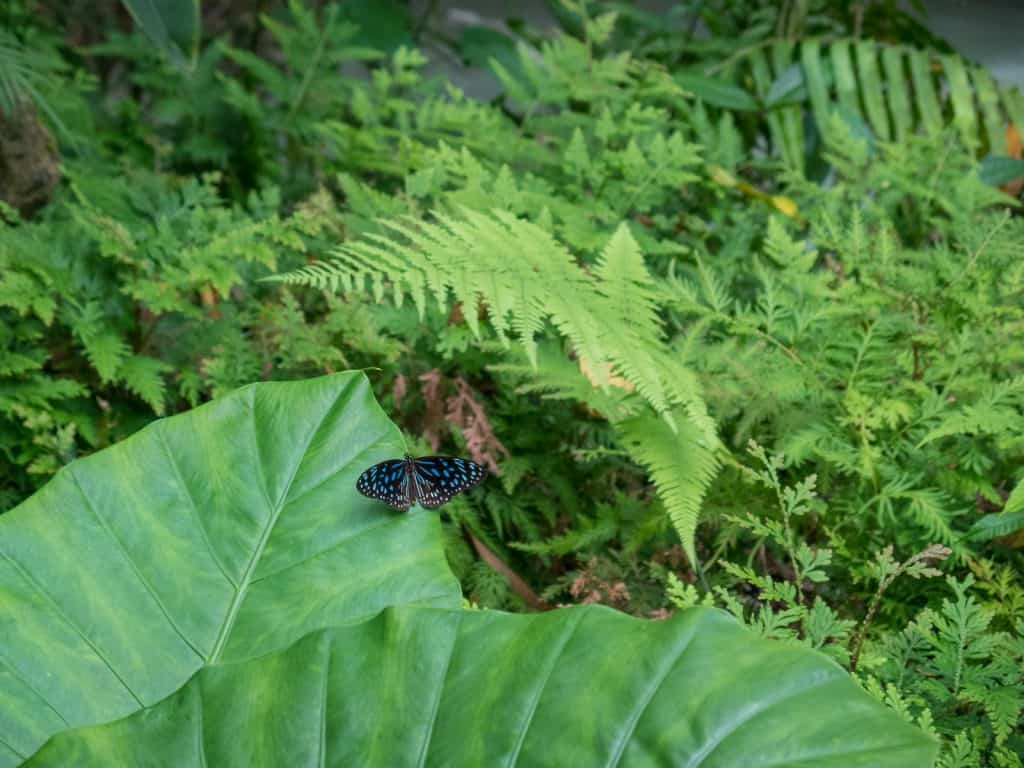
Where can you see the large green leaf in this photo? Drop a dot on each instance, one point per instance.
(183, 580)
(575, 687)
(220, 534)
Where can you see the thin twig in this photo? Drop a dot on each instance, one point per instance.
(932, 553)
(515, 581)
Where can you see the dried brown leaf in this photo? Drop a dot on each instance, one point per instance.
(433, 416)
(468, 414)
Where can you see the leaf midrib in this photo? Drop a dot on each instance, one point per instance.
(242, 588)
(659, 679)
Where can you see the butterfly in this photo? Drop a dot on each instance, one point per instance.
(429, 481)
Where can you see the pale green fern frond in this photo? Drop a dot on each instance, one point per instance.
(145, 377)
(632, 323)
(556, 377)
(103, 346)
(681, 464)
(524, 278)
(904, 497)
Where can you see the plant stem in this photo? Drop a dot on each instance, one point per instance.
(515, 581)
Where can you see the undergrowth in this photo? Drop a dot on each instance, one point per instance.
(707, 359)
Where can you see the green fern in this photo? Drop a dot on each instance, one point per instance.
(27, 74)
(587, 535)
(951, 661)
(525, 279)
(556, 376)
(682, 465)
(999, 411)
(144, 376)
(103, 346)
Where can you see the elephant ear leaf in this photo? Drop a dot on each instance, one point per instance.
(221, 534)
(217, 583)
(581, 686)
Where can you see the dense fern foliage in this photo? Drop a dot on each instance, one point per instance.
(734, 318)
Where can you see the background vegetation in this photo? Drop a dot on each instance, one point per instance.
(730, 303)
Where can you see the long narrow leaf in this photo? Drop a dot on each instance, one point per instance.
(962, 97)
(791, 115)
(762, 81)
(871, 89)
(173, 26)
(988, 97)
(846, 81)
(717, 92)
(896, 91)
(1013, 102)
(814, 76)
(924, 92)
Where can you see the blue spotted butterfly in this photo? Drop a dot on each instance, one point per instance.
(429, 481)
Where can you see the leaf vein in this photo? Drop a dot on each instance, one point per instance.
(323, 700)
(200, 740)
(328, 550)
(760, 706)
(134, 566)
(552, 664)
(424, 751)
(649, 695)
(10, 667)
(275, 512)
(67, 620)
(4, 743)
(192, 505)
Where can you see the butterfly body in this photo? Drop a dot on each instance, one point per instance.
(429, 481)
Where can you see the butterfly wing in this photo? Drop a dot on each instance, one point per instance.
(387, 482)
(441, 477)
(423, 491)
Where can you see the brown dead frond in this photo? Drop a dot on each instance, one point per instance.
(468, 414)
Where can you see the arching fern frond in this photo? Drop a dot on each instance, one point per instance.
(681, 464)
(556, 377)
(906, 499)
(24, 74)
(524, 278)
